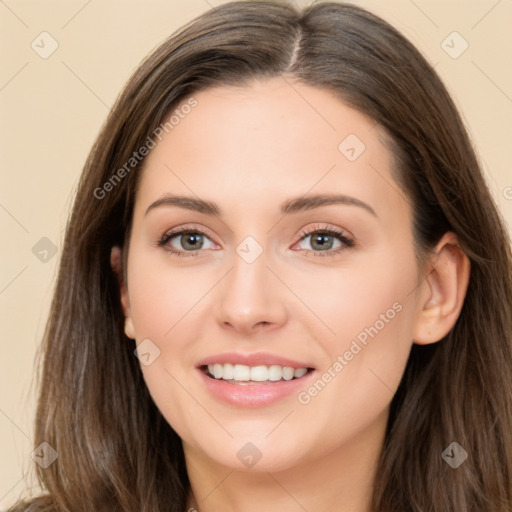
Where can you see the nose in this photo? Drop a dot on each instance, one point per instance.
(250, 298)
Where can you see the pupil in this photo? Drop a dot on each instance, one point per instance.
(190, 240)
(323, 241)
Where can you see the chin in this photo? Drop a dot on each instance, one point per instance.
(254, 452)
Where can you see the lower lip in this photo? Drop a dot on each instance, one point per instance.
(254, 395)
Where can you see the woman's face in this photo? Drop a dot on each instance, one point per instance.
(306, 264)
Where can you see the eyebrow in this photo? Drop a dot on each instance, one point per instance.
(294, 205)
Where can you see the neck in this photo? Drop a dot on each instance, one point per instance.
(337, 481)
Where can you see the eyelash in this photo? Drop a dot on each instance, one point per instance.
(340, 235)
(336, 233)
(186, 230)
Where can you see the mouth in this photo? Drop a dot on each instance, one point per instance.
(240, 374)
(253, 380)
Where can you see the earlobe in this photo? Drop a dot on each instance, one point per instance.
(128, 327)
(444, 292)
(117, 267)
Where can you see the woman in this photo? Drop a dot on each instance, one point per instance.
(284, 284)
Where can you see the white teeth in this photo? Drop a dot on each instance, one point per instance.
(228, 371)
(275, 373)
(259, 373)
(243, 373)
(300, 372)
(217, 371)
(288, 373)
(240, 372)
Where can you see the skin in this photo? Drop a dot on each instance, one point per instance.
(249, 149)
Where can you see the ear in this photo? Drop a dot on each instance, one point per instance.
(443, 291)
(116, 262)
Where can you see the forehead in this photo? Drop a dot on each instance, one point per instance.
(269, 139)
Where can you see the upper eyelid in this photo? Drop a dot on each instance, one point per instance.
(325, 227)
(171, 233)
(187, 227)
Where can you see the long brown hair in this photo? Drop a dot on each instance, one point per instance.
(115, 450)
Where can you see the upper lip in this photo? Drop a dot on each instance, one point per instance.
(254, 359)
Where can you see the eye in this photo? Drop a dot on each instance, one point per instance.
(324, 240)
(186, 241)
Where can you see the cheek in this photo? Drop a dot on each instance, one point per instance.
(162, 297)
(165, 304)
(370, 302)
(372, 315)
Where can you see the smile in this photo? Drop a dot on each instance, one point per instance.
(243, 374)
(254, 380)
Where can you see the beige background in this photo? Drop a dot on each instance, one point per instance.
(52, 109)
